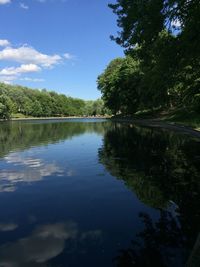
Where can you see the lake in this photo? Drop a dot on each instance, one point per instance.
(86, 192)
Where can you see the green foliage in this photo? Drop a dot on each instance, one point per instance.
(35, 103)
(119, 85)
(5, 107)
(93, 108)
(162, 38)
(108, 84)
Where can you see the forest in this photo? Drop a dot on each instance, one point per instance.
(161, 67)
(18, 101)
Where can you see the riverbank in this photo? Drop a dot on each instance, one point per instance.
(186, 123)
(58, 118)
(190, 126)
(55, 118)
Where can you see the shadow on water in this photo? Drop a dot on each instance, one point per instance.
(163, 170)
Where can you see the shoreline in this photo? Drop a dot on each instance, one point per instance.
(157, 123)
(52, 118)
(153, 123)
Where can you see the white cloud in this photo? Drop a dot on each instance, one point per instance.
(28, 79)
(31, 60)
(12, 71)
(4, 42)
(2, 2)
(7, 79)
(23, 6)
(26, 55)
(8, 75)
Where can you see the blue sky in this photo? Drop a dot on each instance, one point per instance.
(61, 45)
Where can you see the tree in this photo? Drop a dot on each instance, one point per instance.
(5, 107)
(120, 85)
(165, 37)
(32, 102)
(141, 22)
(108, 85)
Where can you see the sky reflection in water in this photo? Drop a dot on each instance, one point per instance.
(96, 193)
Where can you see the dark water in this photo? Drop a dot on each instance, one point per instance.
(96, 193)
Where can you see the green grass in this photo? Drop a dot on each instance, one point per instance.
(19, 116)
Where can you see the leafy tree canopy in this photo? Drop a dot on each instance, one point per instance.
(36, 103)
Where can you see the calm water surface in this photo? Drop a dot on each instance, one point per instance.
(96, 193)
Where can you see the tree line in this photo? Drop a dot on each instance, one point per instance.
(161, 67)
(42, 103)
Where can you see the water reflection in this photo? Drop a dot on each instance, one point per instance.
(21, 135)
(161, 243)
(97, 194)
(31, 170)
(45, 242)
(162, 168)
(18, 136)
(4, 227)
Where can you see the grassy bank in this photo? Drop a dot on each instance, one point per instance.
(20, 116)
(179, 117)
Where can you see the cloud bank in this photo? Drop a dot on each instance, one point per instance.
(30, 59)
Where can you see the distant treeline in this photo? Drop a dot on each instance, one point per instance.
(16, 100)
(161, 67)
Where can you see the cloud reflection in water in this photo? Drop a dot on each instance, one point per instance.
(45, 243)
(31, 170)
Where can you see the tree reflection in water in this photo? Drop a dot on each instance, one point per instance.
(159, 244)
(160, 167)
